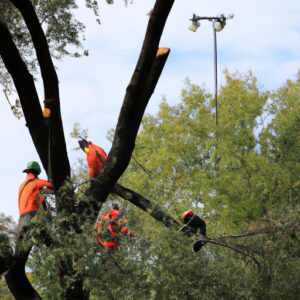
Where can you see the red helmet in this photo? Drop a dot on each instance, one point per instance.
(187, 213)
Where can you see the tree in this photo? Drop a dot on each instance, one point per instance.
(140, 88)
(253, 191)
(237, 195)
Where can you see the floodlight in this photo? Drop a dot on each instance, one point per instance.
(194, 26)
(219, 25)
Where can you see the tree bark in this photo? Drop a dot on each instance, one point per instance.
(16, 278)
(130, 118)
(24, 84)
(146, 205)
(58, 168)
(18, 282)
(138, 93)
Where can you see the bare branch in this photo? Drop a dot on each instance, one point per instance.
(213, 241)
(24, 84)
(148, 172)
(263, 230)
(59, 161)
(146, 205)
(138, 93)
(128, 124)
(158, 214)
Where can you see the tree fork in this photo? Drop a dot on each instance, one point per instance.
(59, 159)
(134, 104)
(126, 132)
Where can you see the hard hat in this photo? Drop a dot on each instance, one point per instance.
(197, 246)
(187, 213)
(34, 167)
(116, 206)
(83, 143)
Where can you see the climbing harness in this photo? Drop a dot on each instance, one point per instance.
(180, 229)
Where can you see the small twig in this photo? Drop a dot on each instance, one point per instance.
(81, 183)
(148, 172)
(7, 99)
(234, 249)
(117, 265)
(266, 230)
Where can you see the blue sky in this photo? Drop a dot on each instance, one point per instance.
(264, 37)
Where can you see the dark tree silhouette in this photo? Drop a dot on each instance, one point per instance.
(142, 84)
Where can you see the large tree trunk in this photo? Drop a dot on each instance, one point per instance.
(24, 84)
(18, 282)
(142, 84)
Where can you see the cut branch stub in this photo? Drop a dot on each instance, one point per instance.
(162, 51)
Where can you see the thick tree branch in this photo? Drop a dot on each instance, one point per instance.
(6, 254)
(23, 80)
(50, 79)
(128, 124)
(146, 205)
(60, 168)
(158, 214)
(139, 90)
(16, 278)
(18, 282)
(24, 84)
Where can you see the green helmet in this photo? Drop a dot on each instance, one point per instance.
(34, 167)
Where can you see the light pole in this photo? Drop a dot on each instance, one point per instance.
(218, 23)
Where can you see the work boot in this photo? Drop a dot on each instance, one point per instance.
(197, 246)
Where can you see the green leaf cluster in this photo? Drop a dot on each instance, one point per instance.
(241, 176)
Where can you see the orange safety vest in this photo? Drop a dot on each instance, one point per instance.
(30, 198)
(113, 229)
(110, 228)
(96, 157)
(113, 213)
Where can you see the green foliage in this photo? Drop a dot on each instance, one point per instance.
(235, 179)
(241, 176)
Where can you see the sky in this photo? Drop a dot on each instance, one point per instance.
(263, 36)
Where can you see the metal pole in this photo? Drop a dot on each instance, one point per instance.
(216, 73)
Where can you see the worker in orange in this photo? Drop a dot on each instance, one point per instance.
(196, 223)
(30, 200)
(109, 228)
(114, 213)
(95, 155)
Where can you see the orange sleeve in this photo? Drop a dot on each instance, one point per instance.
(100, 151)
(43, 183)
(92, 173)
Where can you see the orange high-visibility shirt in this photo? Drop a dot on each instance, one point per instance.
(113, 212)
(96, 157)
(30, 198)
(114, 228)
